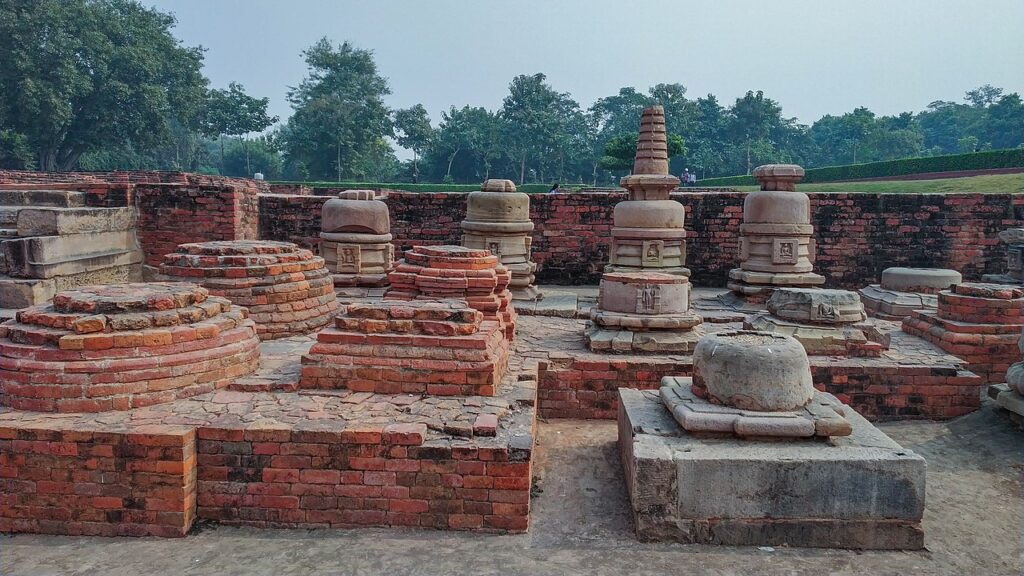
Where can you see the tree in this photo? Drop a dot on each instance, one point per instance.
(244, 158)
(983, 96)
(531, 115)
(340, 119)
(620, 151)
(415, 133)
(76, 75)
(232, 112)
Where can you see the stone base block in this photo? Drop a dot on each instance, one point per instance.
(860, 491)
(818, 339)
(367, 280)
(674, 270)
(758, 286)
(526, 293)
(602, 339)
(893, 305)
(25, 292)
(1002, 279)
(1008, 400)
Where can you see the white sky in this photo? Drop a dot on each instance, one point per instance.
(815, 57)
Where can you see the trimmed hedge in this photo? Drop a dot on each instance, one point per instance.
(409, 187)
(1008, 158)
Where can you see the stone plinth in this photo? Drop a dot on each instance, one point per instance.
(776, 237)
(122, 346)
(355, 239)
(980, 323)
(498, 219)
(648, 233)
(643, 312)
(441, 272)
(903, 290)
(859, 491)
(287, 290)
(1010, 396)
(1014, 240)
(439, 348)
(824, 321)
(51, 241)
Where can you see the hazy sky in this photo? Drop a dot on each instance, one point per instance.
(813, 56)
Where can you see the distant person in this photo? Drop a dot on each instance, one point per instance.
(554, 189)
(693, 179)
(685, 177)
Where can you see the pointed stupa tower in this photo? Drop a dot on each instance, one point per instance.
(648, 233)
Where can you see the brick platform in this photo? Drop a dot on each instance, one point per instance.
(438, 272)
(912, 379)
(980, 323)
(419, 347)
(311, 459)
(287, 290)
(123, 346)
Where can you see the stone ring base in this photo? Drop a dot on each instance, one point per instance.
(613, 340)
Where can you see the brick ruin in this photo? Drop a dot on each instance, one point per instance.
(138, 409)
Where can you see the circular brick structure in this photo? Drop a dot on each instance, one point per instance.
(122, 346)
(287, 289)
(473, 275)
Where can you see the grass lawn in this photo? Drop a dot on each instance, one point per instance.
(993, 184)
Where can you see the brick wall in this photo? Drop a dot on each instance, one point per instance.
(858, 235)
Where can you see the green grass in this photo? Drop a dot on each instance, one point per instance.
(992, 184)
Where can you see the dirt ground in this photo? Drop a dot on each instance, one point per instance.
(974, 524)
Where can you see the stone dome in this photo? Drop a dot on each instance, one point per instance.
(355, 211)
(753, 370)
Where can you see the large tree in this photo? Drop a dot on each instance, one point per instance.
(232, 112)
(534, 115)
(340, 119)
(413, 131)
(78, 75)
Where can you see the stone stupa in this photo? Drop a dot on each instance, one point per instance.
(648, 233)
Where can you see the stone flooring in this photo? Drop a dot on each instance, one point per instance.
(581, 525)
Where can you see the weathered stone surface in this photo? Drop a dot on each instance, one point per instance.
(752, 371)
(498, 219)
(857, 491)
(55, 221)
(117, 347)
(646, 312)
(903, 290)
(816, 305)
(287, 290)
(921, 280)
(822, 416)
(819, 339)
(356, 239)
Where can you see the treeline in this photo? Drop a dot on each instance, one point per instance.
(118, 90)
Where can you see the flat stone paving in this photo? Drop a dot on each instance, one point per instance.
(581, 525)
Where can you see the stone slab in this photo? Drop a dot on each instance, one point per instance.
(1010, 401)
(63, 221)
(860, 491)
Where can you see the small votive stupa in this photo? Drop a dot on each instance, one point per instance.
(498, 219)
(776, 237)
(355, 239)
(648, 233)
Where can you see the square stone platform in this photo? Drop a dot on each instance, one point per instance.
(860, 491)
(256, 455)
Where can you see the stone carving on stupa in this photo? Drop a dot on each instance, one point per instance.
(1014, 240)
(776, 237)
(824, 321)
(498, 219)
(355, 233)
(648, 233)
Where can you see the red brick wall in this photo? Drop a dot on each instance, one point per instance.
(139, 483)
(371, 477)
(858, 235)
(588, 388)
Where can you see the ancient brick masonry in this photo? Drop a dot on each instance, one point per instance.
(980, 323)
(439, 272)
(118, 347)
(287, 290)
(421, 347)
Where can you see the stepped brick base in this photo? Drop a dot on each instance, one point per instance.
(980, 323)
(417, 347)
(287, 290)
(123, 346)
(439, 272)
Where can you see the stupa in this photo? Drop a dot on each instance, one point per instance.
(776, 237)
(825, 321)
(903, 290)
(355, 239)
(648, 233)
(643, 312)
(1014, 240)
(1010, 396)
(456, 272)
(286, 289)
(498, 219)
(748, 453)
